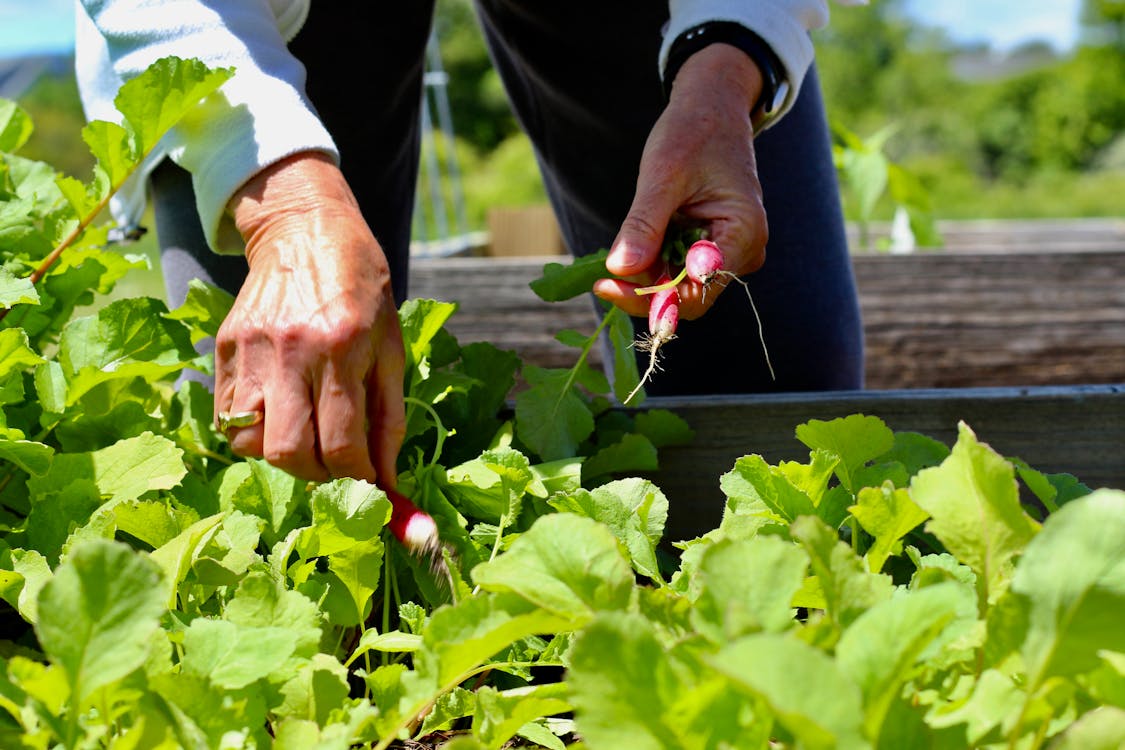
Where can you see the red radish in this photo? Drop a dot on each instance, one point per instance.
(663, 317)
(414, 528)
(704, 264)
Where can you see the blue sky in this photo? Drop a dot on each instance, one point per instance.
(1002, 23)
(28, 26)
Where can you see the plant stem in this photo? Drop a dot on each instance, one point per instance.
(661, 287)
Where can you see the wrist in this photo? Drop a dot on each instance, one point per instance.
(736, 58)
(291, 187)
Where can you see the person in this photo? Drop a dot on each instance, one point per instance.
(641, 114)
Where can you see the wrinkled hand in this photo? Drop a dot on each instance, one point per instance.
(313, 339)
(698, 166)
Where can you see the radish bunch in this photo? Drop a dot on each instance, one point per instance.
(704, 264)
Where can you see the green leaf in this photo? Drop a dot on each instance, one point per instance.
(460, 638)
(885, 645)
(258, 488)
(856, 439)
(996, 700)
(664, 427)
(34, 458)
(499, 716)
(348, 516)
(319, 689)
(123, 471)
(1074, 608)
(420, 320)
(204, 309)
(753, 482)
(973, 501)
(157, 99)
(916, 452)
(1103, 728)
(16, 291)
(205, 716)
(849, 589)
(125, 339)
(110, 144)
(260, 599)
(566, 564)
(176, 557)
(803, 688)
(346, 512)
(16, 354)
(15, 126)
(887, 514)
(456, 704)
(635, 510)
(632, 453)
(233, 656)
(226, 555)
(625, 373)
(551, 418)
(33, 572)
(562, 282)
(730, 601)
(96, 615)
(624, 685)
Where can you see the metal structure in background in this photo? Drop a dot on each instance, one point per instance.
(440, 226)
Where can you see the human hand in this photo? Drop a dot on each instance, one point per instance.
(313, 340)
(697, 167)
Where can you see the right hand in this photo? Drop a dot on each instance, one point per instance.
(313, 339)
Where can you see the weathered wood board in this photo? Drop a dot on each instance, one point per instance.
(931, 319)
(1078, 430)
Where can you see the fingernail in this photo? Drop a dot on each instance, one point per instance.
(624, 255)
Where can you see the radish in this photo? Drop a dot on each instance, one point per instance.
(704, 264)
(663, 317)
(414, 528)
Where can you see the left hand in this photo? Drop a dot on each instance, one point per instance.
(698, 165)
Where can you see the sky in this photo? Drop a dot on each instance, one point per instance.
(1004, 24)
(31, 26)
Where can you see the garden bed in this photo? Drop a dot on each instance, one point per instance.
(1001, 312)
(1078, 430)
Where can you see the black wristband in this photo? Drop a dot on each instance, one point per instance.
(736, 35)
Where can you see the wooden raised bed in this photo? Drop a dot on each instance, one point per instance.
(931, 319)
(1021, 334)
(1078, 430)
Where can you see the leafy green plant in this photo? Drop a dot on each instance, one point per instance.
(869, 176)
(158, 592)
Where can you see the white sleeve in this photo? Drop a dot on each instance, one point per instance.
(783, 24)
(259, 116)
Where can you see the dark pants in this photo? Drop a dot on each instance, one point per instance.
(584, 85)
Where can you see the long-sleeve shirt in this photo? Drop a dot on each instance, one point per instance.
(264, 114)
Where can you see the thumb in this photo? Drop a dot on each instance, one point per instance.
(641, 236)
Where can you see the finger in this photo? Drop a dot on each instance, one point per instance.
(234, 395)
(341, 424)
(387, 415)
(289, 439)
(641, 236)
(695, 300)
(743, 241)
(623, 294)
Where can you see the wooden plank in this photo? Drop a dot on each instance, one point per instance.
(1078, 430)
(1018, 235)
(990, 319)
(931, 320)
